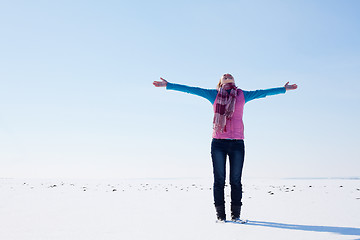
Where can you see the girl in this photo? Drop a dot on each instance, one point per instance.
(228, 135)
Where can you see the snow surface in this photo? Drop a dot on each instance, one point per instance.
(176, 209)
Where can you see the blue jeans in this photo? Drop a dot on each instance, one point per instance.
(235, 149)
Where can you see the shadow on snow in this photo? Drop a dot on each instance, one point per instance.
(325, 229)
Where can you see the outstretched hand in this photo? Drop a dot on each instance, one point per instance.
(162, 83)
(290, 87)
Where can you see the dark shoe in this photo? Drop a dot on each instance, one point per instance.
(235, 212)
(220, 213)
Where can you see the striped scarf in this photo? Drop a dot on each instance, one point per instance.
(225, 106)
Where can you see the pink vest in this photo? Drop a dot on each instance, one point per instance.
(234, 126)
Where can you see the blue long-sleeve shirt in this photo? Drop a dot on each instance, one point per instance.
(210, 94)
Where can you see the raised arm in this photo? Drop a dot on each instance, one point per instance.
(251, 95)
(209, 94)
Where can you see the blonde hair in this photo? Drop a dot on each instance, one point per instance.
(218, 86)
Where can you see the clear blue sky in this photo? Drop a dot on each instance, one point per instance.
(77, 100)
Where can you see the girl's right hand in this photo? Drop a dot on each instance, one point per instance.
(163, 83)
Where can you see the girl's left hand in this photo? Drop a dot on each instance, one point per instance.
(290, 87)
